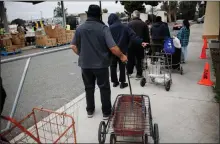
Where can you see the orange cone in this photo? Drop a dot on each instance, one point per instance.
(205, 43)
(206, 76)
(203, 53)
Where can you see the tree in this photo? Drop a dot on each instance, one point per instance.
(187, 9)
(171, 9)
(202, 8)
(72, 21)
(152, 17)
(58, 11)
(105, 10)
(131, 6)
(18, 21)
(120, 15)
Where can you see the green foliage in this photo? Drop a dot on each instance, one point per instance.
(105, 10)
(120, 15)
(131, 6)
(72, 21)
(58, 11)
(18, 21)
(187, 9)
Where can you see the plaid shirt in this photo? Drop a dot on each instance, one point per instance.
(183, 36)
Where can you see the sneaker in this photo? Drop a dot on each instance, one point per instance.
(115, 84)
(90, 114)
(123, 85)
(106, 117)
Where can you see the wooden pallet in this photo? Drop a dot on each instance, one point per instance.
(63, 44)
(5, 53)
(45, 47)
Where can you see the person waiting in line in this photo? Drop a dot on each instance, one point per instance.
(183, 36)
(94, 44)
(159, 32)
(136, 51)
(122, 35)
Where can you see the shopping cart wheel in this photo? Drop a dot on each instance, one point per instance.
(112, 138)
(181, 70)
(143, 82)
(102, 132)
(145, 139)
(156, 134)
(167, 85)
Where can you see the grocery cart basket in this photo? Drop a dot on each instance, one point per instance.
(54, 128)
(157, 68)
(130, 120)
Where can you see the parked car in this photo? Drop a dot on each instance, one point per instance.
(178, 25)
(201, 20)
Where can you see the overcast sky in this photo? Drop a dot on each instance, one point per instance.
(28, 11)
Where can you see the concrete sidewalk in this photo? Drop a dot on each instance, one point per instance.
(185, 114)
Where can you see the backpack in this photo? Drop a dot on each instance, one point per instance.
(169, 46)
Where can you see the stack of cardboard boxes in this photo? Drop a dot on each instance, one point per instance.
(12, 42)
(69, 35)
(55, 35)
(56, 32)
(45, 41)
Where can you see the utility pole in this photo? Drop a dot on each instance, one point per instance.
(41, 15)
(64, 14)
(100, 5)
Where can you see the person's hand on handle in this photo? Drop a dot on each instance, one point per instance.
(124, 58)
(144, 44)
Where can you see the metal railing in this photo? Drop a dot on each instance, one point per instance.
(28, 57)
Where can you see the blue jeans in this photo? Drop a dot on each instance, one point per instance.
(184, 53)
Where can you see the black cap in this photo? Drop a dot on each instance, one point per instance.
(94, 10)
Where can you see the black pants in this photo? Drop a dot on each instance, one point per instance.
(89, 78)
(114, 78)
(156, 47)
(2, 97)
(135, 58)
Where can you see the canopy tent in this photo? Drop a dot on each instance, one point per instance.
(211, 27)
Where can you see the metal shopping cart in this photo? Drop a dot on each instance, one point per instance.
(157, 68)
(53, 128)
(130, 121)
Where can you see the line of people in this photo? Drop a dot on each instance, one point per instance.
(100, 47)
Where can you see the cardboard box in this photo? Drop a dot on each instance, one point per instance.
(70, 31)
(6, 42)
(6, 36)
(13, 48)
(41, 40)
(55, 32)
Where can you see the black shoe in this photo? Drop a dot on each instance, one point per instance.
(123, 85)
(106, 117)
(115, 84)
(139, 76)
(90, 114)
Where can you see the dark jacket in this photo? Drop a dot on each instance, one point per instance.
(2, 97)
(159, 31)
(121, 33)
(140, 28)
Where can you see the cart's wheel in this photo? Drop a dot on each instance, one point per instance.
(153, 79)
(145, 139)
(156, 134)
(181, 70)
(167, 85)
(143, 82)
(102, 132)
(113, 138)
